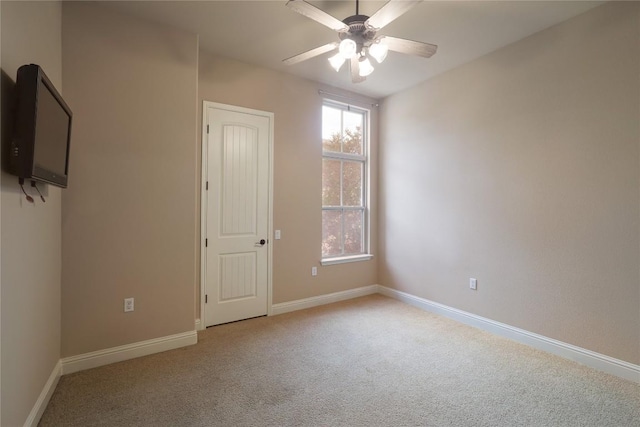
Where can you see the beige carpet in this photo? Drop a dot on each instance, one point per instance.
(372, 361)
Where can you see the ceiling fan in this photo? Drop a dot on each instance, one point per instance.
(359, 39)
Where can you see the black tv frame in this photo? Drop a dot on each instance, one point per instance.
(23, 144)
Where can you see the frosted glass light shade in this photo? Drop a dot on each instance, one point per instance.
(379, 51)
(347, 48)
(336, 61)
(365, 67)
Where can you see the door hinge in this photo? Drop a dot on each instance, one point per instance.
(207, 187)
(206, 243)
(206, 298)
(207, 128)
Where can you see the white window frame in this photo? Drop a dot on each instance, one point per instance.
(364, 159)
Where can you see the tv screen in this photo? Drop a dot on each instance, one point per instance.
(40, 149)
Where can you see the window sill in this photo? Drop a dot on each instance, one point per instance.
(345, 259)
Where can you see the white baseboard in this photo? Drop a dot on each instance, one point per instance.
(43, 400)
(125, 352)
(301, 304)
(586, 357)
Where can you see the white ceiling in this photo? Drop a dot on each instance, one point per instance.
(265, 32)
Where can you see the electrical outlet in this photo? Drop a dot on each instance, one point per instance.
(128, 304)
(314, 271)
(473, 284)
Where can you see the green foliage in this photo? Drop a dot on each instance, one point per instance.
(350, 142)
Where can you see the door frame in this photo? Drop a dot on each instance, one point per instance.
(204, 202)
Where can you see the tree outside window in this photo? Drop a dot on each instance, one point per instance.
(343, 180)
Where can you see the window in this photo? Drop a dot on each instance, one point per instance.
(344, 183)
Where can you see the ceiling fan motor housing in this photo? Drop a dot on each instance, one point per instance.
(358, 32)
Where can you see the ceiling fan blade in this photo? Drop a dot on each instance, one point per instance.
(320, 16)
(390, 11)
(355, 71)
(310, 53)
(410, 47)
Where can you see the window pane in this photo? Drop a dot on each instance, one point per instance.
(353, 225)
(330, 182)
(351, 184)
(331, 233)
(353, 125)
(331, 129)
(343, 180)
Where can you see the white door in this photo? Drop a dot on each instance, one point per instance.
(237, 213)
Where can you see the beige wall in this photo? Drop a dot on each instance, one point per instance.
(129, 214)
(31, 241)
(131, 82)
(521, 169)
(298, 172)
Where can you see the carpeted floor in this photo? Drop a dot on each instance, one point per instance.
(371, 361)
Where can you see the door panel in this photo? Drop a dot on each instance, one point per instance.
(237, 276)
(236, 282)
(239, 185)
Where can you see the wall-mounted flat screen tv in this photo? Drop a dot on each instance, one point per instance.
(42, 134)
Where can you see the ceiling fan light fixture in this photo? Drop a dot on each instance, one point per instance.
(379, 51)
(365, 67)
(358, 40)
(347, 48)
(336, 61)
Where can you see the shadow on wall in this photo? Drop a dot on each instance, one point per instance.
(7, 110)
(7, 118)
(9, 182)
